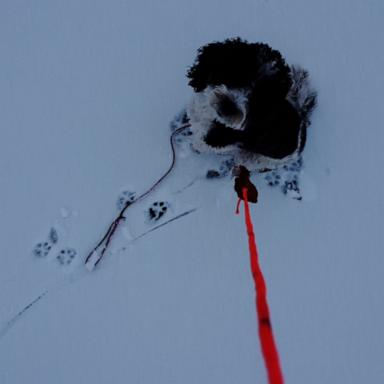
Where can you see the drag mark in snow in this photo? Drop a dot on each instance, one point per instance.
(10, 323)
(165, 223)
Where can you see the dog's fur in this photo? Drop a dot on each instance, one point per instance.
(248, 101)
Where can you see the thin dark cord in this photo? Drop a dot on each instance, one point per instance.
(106, 239)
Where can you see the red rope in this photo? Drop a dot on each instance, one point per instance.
(267, 341)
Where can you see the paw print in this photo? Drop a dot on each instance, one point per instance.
(180, 119)
(273, 179)
(125, 198)
(224, 169)
(157, 210)
(291, 187)
(42, 249)
(66, 256)
(294, 166)
(183, 135)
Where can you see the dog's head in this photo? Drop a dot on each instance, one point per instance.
(237, 84)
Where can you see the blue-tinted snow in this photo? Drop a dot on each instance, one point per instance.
(87, 90)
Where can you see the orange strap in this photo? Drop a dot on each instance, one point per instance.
(267, 341)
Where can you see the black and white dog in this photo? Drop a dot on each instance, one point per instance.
(248, 103)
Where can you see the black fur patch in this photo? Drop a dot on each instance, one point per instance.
(237, 63)
(273, 126)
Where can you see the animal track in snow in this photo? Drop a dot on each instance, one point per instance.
(287, 177)
(125, 198)
(273, 178)
(157, 210)
(183, 139)
(42, 249)
(66, 256)
(56, 239)
(222, 171)
(291, 187)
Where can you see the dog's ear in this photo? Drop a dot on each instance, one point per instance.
(226, 106)
(200, 72)
(213, 62)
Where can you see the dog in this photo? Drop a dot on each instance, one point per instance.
(249, 103)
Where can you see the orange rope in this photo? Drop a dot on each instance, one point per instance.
(267, 341)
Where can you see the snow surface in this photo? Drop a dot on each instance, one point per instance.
(87, 90)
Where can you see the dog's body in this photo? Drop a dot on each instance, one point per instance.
(248, 103)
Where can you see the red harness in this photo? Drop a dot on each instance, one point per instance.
(267, 341)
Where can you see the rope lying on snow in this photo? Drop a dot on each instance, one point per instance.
(267, 341)
(105, 241)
